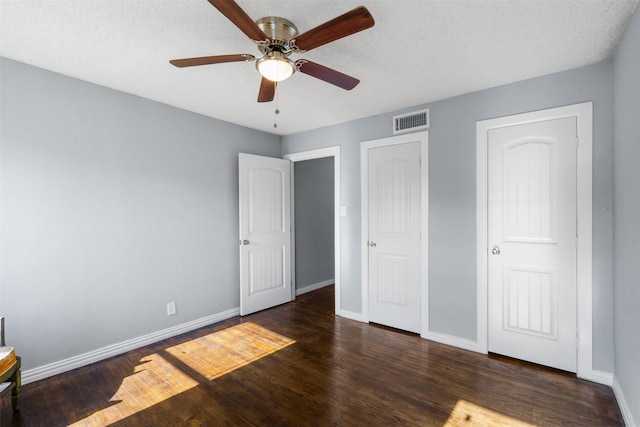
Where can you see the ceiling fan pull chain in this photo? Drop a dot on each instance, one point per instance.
(275, 118)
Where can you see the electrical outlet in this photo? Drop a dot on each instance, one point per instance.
(171, 308)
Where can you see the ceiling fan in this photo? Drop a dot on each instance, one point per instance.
(277, 38)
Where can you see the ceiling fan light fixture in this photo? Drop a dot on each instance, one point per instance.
(275, 66)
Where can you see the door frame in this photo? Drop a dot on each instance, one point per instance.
(584, 115)
(311, 155)
(423, 138)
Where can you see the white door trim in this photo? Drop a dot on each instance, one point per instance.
(319, 154)
(423, 137)
(583, 112)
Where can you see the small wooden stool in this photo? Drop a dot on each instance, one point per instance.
(10, 380)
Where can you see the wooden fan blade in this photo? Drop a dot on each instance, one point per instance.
(239, 17)
(267, 90)
(344, 25)
(327, 74)
(206, 60)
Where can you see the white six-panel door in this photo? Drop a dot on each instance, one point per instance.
(265, 232)
(394, 197)
(532, 233)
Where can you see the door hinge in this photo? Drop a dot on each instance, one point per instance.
(577, 143)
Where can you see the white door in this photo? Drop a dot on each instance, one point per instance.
(394, 235)
(532, 242)
(265, 232)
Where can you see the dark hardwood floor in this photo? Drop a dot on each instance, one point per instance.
(299, 365)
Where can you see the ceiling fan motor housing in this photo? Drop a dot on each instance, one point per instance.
(279, 31)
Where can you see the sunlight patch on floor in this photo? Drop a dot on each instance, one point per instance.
(468, 414)
(222, 352)
(155, 379)
(152, 382)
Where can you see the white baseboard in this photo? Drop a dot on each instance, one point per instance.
(314, 287)
(55, 368)
(624, 406)
(350, 315)
(452, 341)
(600, 377)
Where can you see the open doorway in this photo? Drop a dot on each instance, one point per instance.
(316, 220)
(314, 216)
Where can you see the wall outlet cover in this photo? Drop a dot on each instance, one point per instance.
(171, 308)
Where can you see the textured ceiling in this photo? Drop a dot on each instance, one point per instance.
(417, 52)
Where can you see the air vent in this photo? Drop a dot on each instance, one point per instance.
(411, 122)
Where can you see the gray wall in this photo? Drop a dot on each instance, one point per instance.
(627, 216)
(111, 206)
(314, 221)
(452, 193)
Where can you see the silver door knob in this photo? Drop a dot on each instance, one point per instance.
(495, 250)
(371, 244)
(244, 242)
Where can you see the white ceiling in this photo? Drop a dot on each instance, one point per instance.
(417, 52)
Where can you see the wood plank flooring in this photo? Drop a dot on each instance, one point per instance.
(299, 365)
